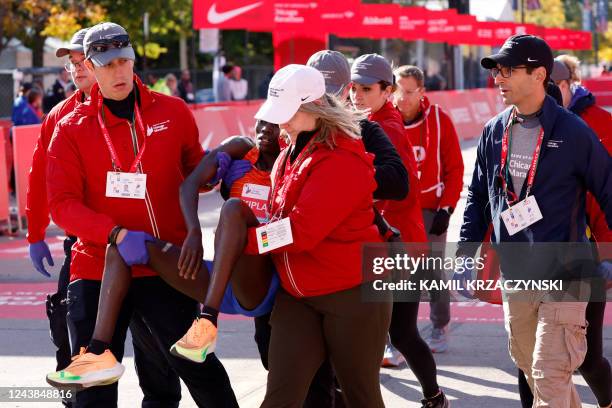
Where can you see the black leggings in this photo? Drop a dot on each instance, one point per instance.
(405, 337)
(595, 369)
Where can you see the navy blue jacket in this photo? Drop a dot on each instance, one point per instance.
(572, 161)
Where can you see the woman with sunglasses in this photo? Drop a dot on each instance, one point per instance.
(372, 85)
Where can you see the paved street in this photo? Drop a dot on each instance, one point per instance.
(475, 372)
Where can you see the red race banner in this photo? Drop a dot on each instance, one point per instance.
(249, 15)
(441, 25)
(412, 24)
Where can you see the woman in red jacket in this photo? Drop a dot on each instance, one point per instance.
(595, 368)
(372, 85)
(322, 205)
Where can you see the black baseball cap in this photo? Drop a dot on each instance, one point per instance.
(527, 50)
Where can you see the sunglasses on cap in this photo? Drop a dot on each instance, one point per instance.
(100, 46)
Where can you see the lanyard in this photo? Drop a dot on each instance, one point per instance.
(503, 171)
(109, 143)
(281, 173)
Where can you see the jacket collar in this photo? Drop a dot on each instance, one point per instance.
(423, 113)
(145, 97)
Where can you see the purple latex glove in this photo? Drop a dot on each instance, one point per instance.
(223, 163)
(237, 169)
(604, 270)
(464, 275)
(133, 248)
(39, 251)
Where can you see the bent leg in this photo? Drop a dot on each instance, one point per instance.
(250, 275)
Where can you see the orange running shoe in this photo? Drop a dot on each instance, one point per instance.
(88, 370)
(199, 341)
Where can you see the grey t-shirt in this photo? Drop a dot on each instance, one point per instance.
(524, 138)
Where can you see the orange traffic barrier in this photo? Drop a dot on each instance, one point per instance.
(24, 142)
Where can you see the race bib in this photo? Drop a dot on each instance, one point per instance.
(126, 185)
(256, 196)
(521, 215)
(274, 235)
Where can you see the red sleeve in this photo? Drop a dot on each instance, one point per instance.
(65, 189)
(192, 149)
(452, 162)
(37, 210)
(332, 191)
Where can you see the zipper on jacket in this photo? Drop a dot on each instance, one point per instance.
(290, 274)
(148, 203)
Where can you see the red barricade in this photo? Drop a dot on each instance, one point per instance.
(218, 121)
(7, 155)
(469, 110)
(4, 177)
(601, 87)
(24, 142)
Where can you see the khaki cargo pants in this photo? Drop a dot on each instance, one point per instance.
(547, 340)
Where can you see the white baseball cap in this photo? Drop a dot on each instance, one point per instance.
(289, 88)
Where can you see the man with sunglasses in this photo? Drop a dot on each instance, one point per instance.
(535, 162)
(160, 384)
(123, 137)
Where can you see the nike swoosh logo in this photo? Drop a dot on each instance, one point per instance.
(531, 60)
(303, 99)
(214, 17)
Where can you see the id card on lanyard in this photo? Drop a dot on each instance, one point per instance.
(277, 232)
(520, 214)
(120, 184)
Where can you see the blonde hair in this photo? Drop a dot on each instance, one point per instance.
(410, 71)
(573, 65)
(333, 116)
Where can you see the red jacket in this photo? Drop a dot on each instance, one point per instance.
(438, 157)
(405, 215)
(328, 200)
(79, 159)
(600, 121)
(37, 208)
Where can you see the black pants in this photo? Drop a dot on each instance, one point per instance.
(56, 310)
(163, 316)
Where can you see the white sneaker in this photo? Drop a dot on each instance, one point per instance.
(392, 357)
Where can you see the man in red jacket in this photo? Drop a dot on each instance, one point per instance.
(160, 382)
(37, 211)
(440, 169)
(116, 164)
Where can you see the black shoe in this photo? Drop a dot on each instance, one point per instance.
(439, 401)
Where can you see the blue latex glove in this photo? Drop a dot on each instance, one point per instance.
(463, 277)
(133, 248)
(604, 270)
(39, 251)
(223, 163)
(237, 169)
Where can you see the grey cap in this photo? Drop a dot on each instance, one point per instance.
(76, 44)
(106, 32)
(560, 71)
(369, 69)
(335, 69)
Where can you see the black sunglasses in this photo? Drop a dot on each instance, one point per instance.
(120, 41)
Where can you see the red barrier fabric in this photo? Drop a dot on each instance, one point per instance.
(24, 142)
(601, 87)
(4, 176)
